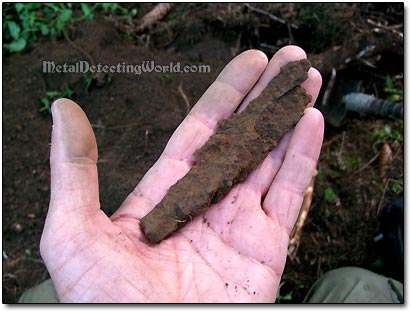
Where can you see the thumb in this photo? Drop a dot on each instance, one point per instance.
(73, 157)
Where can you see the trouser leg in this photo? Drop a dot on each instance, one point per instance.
(42, 293)
(355, 285)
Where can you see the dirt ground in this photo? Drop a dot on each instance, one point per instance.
(133, 117)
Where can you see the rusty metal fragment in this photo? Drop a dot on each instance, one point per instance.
(240, 144)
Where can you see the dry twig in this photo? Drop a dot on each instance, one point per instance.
(331, 141)
(272, 16)
(235, 50)
(185, 98)
(145, 142)
(298, 227)
(329, 88)
(78, 48)
(146, 139)
(366, 165)
(385, 158)
(155, 15)
(392, 28)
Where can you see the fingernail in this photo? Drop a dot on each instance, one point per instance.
(73, 136)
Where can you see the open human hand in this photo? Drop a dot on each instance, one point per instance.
(238, 256)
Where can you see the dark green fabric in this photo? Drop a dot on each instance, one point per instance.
(355, 285)
(43, 293)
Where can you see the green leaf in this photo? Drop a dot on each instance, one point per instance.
(53, 32)
(133, 12)
(62, 20)
(106, 6)
(388, 82)
(68, 92)
(19, 7)
(168, 77)
(34, 6)
(110, 6)
(16, 45)
(44, 30)
(65, 15)
(124, 11)
(46, 105)
(330, 196)
(387, 130)
(328, 193)
(396, 187)
(86, 11)
(14, 29)
(394, 98)
(53, 6)
(52, 94)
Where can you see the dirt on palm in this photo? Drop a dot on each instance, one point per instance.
(133, 117)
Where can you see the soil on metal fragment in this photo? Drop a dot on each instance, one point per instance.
(240, 144)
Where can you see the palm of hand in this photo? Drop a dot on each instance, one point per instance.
(207, 261)
(235, 252)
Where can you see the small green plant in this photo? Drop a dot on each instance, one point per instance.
(352, 163)
(387, 135)
(87, 11)
(128, 35)
(320, 175)
(115, 8)
(98, 79)
(51, 96)
(381, 186)
(281, 298)
(168, 77)
(88, 80)
(26, 22)
(396, 187)
(393, 94)
(330, 196)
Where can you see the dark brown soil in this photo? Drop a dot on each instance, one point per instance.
(133, 116)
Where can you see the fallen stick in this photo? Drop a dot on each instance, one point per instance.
(272, 16)
(240, 144)
(295, 236)
(155, 15)
(185, 98)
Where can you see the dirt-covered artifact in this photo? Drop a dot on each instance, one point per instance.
(240, 144)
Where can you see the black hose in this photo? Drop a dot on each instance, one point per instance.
(365, 105)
